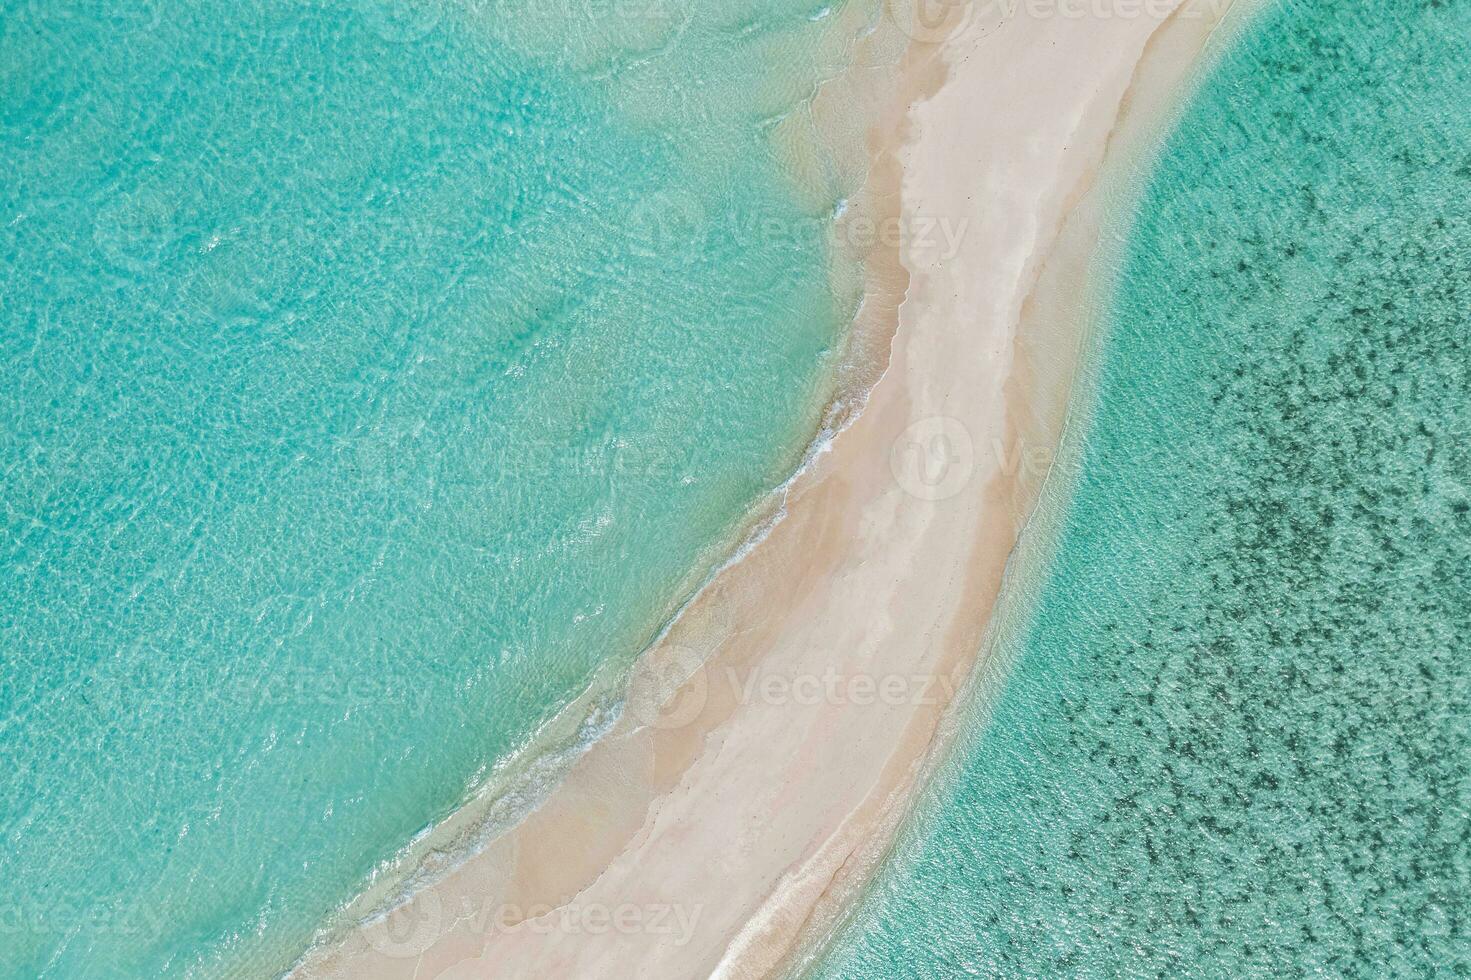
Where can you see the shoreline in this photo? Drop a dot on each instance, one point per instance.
(739, 815)
(521, 780)
(1088, 251)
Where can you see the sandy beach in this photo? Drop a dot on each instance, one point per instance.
(718, 829)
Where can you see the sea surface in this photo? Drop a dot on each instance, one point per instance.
(1234, 735)
(376, 377)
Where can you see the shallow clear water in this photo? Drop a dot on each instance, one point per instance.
(1235, 738)
(370, 375)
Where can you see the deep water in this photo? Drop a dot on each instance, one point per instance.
(1235, 739)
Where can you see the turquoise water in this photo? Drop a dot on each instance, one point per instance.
(371, 374)
(1235, 739)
